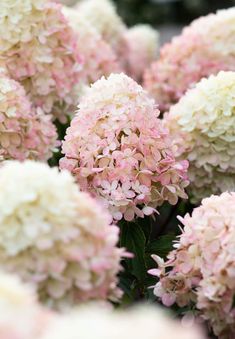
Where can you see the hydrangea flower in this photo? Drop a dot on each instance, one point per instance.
(103, 16)
(202, 126)
(119, 151)
(204, 48)
(56, 237)
(25, 132)
(20, 315)
(139, 50)
(39, 49)
(141, 322)
(99, 58)
(201, 269)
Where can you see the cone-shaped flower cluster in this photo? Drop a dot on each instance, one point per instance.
(202, 126)
(39, 49)
(25, 132)
(102, 15)
(206, 47)
(56, 237)
(201, 269)
(143, 322)
(98, 57)
(119, 151)
(139, 50)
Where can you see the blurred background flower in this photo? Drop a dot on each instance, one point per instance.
(167, 15)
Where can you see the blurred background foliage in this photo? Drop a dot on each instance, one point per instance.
(159, 12)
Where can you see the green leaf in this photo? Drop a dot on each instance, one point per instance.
(133, 239)
(146, 226)
(161, 246)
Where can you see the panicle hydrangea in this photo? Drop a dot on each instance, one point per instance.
(20, 315)
(139, 50)
(119, 151)
(25, 132)
(201, 270)
(206, 47)
(141, 322)
(99, 58)
(202, 125)
(55, 237)
(39, 49)
(103, 16)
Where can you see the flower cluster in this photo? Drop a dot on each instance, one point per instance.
(142, 322)
(102, 15)
(39, 49)
(139, 50)
(20, 315)
(99, 58)
(119, 151)
(202, 126)
(24, 132)
(204, 48)
(201, 269)
(56, 237)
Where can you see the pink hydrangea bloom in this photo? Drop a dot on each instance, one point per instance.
(205, 47)
(139, 49)
(24, 132)
(119, 151)
(99, 58)
(56, 237)
(201, 270)
(40, 50)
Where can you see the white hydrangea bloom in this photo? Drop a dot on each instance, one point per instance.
(143, 322)
(203, 129)
(55, 236)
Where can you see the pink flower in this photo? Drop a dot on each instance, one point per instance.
(204, 48)
(25, 132)
(42, 53)
(201, 270)
(119, 151)
(138, 50)
(98, 57)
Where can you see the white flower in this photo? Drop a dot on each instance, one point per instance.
(142, 322)
(20, 315)
(56, 237)
(102, 15)
(203, 129)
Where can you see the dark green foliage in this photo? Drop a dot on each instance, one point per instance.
(143, 238)
(157, 12)
(61, 131)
